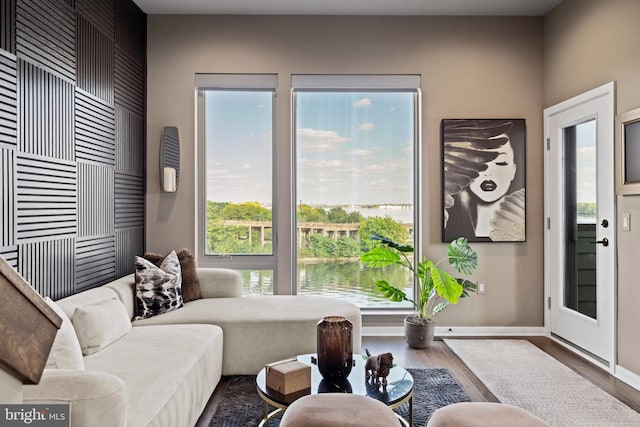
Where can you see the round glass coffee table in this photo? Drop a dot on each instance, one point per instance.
(399, 389)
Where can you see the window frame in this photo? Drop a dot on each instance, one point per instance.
(359, 83)
(233, 82)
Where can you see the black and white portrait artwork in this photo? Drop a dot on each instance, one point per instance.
(483, 183)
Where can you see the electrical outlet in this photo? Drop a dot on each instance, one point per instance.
(482, 288)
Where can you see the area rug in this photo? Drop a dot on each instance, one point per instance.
(241, 406)
(519, 373)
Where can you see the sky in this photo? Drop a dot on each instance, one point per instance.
(351, 148)
(586, 162)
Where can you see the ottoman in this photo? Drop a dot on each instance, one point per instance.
(338, 409)
(483, 414)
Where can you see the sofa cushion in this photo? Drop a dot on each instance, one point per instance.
(99, 325)
(190, 282)
(168, 380)
(65, 352)
(158, 289)
(263, 329)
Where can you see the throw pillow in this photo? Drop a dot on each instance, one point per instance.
(158, 289)
(190, 282)
(65, 352)
(99, 325)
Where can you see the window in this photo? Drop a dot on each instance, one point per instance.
(236, 116)
(356, 145)
(352, 170)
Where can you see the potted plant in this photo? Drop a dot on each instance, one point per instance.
(436, 288)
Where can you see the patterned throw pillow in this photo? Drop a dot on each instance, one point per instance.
(158, 289)
(190, 282)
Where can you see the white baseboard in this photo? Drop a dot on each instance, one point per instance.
(459, 331)
(628, 377)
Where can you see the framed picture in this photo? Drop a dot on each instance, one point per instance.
(628, 152)
(483, 180)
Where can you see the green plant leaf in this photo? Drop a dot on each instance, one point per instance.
(390, 243)
(447, 286)
(391, 292)
(461, 257)
(468, 287)
(380, 257)
(439, 307)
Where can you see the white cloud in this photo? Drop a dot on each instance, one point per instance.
(246, 166)
(366, 126)
(382, 183)
(322, 164)
(376, 168)
(320, 140)
(359, 153)
(361, 103)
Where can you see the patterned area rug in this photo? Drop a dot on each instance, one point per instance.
(433, 388)
(519, 373)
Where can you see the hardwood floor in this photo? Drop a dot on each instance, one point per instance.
(439, 356)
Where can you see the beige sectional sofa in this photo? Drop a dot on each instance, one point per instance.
(162, 370)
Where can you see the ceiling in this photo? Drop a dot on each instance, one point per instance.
(350, 7)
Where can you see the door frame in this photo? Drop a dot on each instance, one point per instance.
(609, 302)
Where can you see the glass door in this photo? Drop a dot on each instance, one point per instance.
(580, 215)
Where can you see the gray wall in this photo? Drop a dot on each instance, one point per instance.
(72, 106)
(589, 43)
(480, 67)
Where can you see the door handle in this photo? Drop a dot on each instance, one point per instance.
(603, 242)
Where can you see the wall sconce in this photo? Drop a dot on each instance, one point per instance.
(169, 159)
(169, 184)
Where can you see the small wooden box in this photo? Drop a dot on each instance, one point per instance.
(288, 376)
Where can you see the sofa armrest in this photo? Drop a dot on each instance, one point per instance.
(219, 283)
(94, 397)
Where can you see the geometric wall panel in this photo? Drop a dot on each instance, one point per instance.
(95, 262)
(129, 203)
(130, 139)
(95, 129)
(101, 13)
(94, 68)
(7, 198)
(45, 35)
(8, 25)
(130, 82)
(48, 266)
(45, 198)
(46, 113)
(95, 200)
(10, 254)
(129, 244)
(130, 28)
(8, 99)
(68, 222)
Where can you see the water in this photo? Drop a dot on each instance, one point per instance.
(347, 280)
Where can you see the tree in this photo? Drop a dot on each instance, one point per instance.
(339, 215)
(248, 211)
(308, 213)
(347, 247)
(386, 226)
(323, 247)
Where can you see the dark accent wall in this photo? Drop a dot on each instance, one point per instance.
(72, 135)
